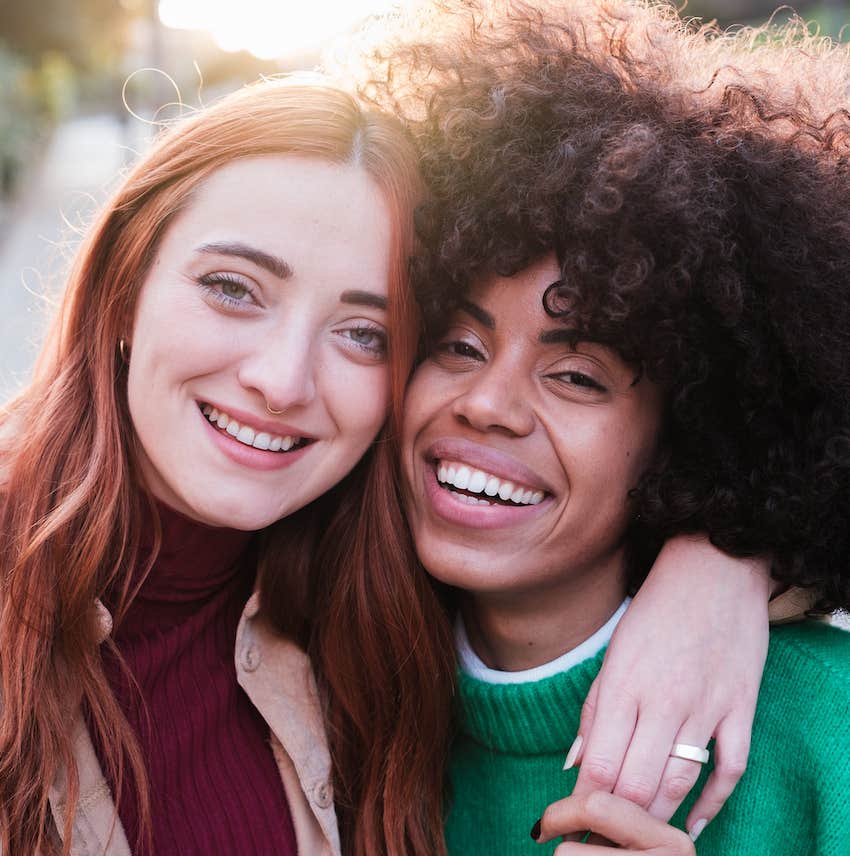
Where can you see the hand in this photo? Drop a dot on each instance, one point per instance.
(684, 665)
(634, 829)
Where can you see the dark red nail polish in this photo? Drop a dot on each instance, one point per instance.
(535, 830)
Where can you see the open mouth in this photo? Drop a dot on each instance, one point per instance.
(478, 487)
(249, 436)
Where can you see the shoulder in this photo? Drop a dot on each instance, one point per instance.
(806, 687)
(810, 647)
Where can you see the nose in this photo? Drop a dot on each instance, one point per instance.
(496, 398)
(282, 367)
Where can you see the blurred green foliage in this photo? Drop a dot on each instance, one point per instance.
(34, 94)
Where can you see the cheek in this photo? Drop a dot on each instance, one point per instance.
(358, 401)
(422, 399)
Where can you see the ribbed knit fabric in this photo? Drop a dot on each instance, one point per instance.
(215, 787)
(794, 799)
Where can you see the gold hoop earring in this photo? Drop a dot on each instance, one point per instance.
(274, 412)
(124, 350)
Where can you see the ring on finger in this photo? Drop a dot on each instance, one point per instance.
(689, 752)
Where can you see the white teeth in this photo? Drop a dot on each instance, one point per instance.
(478, 481)
(247, 435)
(471, 500)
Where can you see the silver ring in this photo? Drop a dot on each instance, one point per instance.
(274, 412)
(689, 753)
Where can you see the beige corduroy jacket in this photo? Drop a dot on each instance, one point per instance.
(276, 675)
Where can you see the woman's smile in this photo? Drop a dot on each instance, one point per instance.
(252, 441)
(520, 447)
(265, 295)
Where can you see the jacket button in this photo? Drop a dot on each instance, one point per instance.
(323, 794)
(251, 658)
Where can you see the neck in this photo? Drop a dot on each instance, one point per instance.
(513, 631)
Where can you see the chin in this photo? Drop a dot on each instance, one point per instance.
(233, 514)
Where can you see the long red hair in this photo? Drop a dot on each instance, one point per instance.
(71, 500)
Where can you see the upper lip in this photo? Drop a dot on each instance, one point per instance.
(243, 417)
(488, 459)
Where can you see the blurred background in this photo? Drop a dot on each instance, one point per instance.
(83, 81)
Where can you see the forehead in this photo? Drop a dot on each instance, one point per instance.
(318, 215)
(521, 292)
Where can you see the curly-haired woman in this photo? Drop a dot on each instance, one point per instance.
(643, 230)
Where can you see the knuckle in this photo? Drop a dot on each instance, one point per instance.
(599, 773)
(636, 790)
(677, 786)
(731, 768)
(596, 806)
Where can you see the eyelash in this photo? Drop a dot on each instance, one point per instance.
(209, 282)
(376, 351)
(454, 348)
(579, 379)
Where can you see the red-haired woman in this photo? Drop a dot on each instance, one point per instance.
(221, 360)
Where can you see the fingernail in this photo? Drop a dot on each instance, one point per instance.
(573, 753)
(697, 828)
(535, 830)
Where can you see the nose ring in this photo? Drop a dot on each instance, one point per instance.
(274, 412)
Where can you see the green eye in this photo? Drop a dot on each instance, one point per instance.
(235, 290)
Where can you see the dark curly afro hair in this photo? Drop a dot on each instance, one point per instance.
(695, 188)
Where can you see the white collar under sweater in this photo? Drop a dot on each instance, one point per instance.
(472, 664)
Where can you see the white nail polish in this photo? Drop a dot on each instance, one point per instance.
(697, 828)
(573, 753)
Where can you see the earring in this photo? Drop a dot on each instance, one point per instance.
(124, 350)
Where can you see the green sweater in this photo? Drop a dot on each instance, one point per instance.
(793, 800)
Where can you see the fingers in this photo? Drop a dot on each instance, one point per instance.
(616, 819)
(731, 748)
(646, 761)
(604, 746)
(679, 775)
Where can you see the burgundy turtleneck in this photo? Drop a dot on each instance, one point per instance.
(214, 783)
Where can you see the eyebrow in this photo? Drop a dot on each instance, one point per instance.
(273, 264)
(558, 337)
(479, 314)
(571, 337)
(364, 298)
